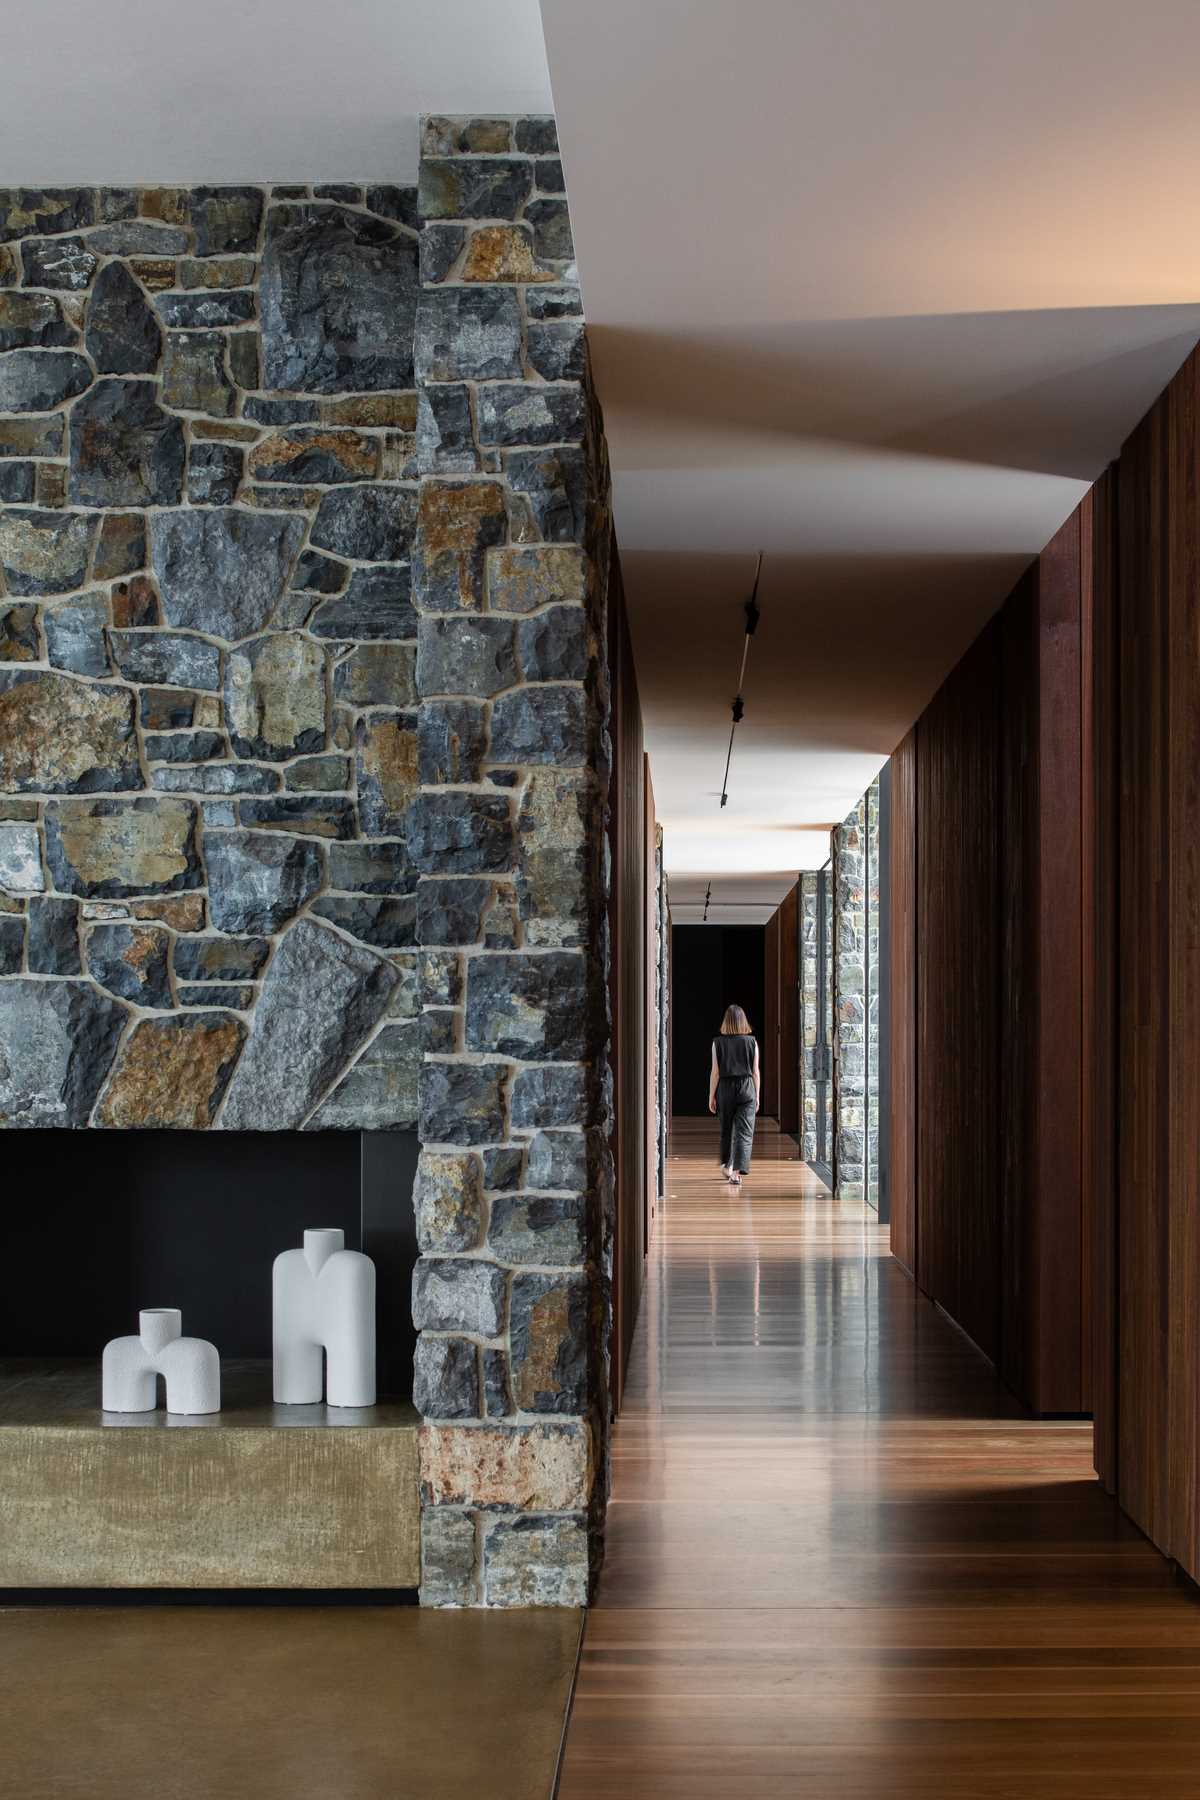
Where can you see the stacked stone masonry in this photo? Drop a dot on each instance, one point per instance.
(506, 839)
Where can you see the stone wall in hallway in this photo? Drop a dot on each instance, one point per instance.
(810, 1000)
(506, 836)
(855, 873)
(208, 501)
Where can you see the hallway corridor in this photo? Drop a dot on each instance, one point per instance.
(841, 1561)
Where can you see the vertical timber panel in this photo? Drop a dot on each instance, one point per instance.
(789, 1012)
(770, 1024)
(902, 878)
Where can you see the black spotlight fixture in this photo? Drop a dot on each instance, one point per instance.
(751, 611)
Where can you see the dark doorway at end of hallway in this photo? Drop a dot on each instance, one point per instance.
(712, 967)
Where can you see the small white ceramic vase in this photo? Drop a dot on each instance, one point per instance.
(190, 1366)
(324, 1313)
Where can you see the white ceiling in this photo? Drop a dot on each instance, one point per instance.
(879, 289)
(136, 91)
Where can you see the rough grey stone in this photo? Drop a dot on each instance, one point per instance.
(38, 380)
(258, 880)
(399, 203)
(551, 223)
(547, 1097)
(317, 815)
(529, 1006)
(370, 868)
(562, 1160)
(458, 1294)
(439, 1031)
(377, 604)
(123, 336)
(377, 675)
(441, 247)
(386, 758)
(225, 219)
(18, 633)
(125, 450)
(460, 834)
(445, 433)
(211, 993)
(532, 1561)
(214, 778)
(468, 334)
(275, 700)
(548, 1342)
(503, 1168)
(57, 1042)
(223, 570)
(559, 876)
(320, 998)
(316, 453)
(441, 978)
(462, 1103)
(108, 849)
(386, 921)
(65, 263)
(214, 474)
(220, 958)
(195, 377)
(546, 303)
(497, 1393)
(167, 658)
(451, 741)
(339, 295)
(116, 203)
(17, 482)
(167, 709)
(32, 321)
(131, 962)
(25, 212)
(20, 857)
(446, 1378)
(32, 437)
(380, 1092)
(548, 175)
(63, 736)
(465, 655)
(538, 1228)
(75, 635)
(195, 312)
(447, 1557)
(557, 349)
(528, 412)
(459, 187)
(53, 947)
(554, 483)
(318, 775)
(537, 136)
(184, 746)
(120, 546)
(369, 523)
(319, 574)
(556, 645)
(541, 725)
(451, 912)
(138, 237)
(12, 944)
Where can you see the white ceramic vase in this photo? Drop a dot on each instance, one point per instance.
(190, 1366)
(323, 1304)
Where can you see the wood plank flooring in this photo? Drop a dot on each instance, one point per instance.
(841, 1559)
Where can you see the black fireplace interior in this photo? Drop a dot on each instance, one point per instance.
(97, 1224)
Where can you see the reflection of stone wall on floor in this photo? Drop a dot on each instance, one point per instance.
(810, 1000)
(207, 650)
(506, 836)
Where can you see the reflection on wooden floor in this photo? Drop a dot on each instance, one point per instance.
(841, 1560)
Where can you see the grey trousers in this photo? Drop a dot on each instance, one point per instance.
(736, 1109)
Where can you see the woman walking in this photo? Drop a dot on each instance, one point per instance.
(734, 1084)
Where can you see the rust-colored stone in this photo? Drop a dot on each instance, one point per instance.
(154, 272)
(182, 912)
(535, 1468)
(457, 523)
(311, 454)
(171, 1073)
(399, 410)
(59, 736)
(503, 253)
(135, 603)
(219, 431)
(170, 204)
(387, 771)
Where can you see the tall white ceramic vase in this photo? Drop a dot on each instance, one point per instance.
(190, 1367)
(323, 1305)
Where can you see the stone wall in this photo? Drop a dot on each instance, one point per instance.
(207, 657)
(855, 871)
(506, 836)
(810, 1000)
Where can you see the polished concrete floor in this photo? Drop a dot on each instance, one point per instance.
(304, 1703)
(842, 1561)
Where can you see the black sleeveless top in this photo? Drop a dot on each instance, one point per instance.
(735, 1057)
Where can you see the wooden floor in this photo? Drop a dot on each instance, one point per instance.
(841, 1560)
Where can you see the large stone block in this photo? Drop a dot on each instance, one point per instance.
(62, 736)
(548, 1342)
(75, 635)
(12, 943)
(462, 1103)
(378, 674)
(319, 454)
(459, 522)
(553, 485)
(107, 849)
(368, 523)
(388, 921)
(45, 552)
(34, 212)
(377, 604)
(172, 1072)
(452, 741)
(530, 412)
(458, 1293)
(220, 958)
(380, 1092)
(447, 1557)
(530, 1468)
(53, 947)
(57, 1040)
(564, 1160)
(534, 1007)
(503, 253)
(557, 644)
(465, 187)
(18, 632)
(20, 857)
(465, 655)
(448, 1200)
(467, 334)
(195, 373)
(275, 700)
(320, 999)
(386, 752)
(451, 911)
(225, 219)
(446, 1378)
(33, 321)
(123, 335)
(258, 881)
(547, 1229)
(456, 833)
(547, 1097)
(371, 868)
(559, 873)
(339, 297)
(167, 658)
(39, 380)
(445, 430)
(536, 1562)
(557, 349)
(541, 725)
(131, 962)
(223, 570)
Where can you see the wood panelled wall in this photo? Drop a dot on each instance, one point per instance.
(986, 941)
(780, 1037)
(629, 982)
(1146, 954)
(770, 1021)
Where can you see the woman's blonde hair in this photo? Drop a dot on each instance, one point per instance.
(735, 1023)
